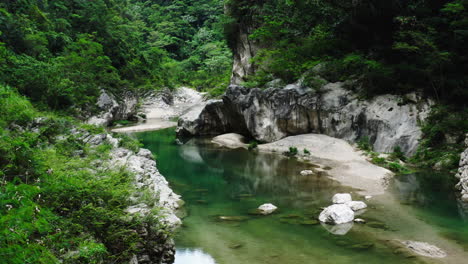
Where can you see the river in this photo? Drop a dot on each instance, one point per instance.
(216, 182)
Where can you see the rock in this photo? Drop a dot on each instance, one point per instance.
(232, 218)
(368, 197)
(462, 184)
(340, 230)
(336, 214)
(359, 221)
(424, 249)
(341, 198)
(231, 140)
(356, 205)
(271, 114)
(113, 109)
(267, 209)
(306, 172)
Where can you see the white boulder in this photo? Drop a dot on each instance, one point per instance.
(306, 172)
(337, 214)
(341, 198)
(266, 209)
(356, 205)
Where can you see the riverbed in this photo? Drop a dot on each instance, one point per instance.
(215, 182)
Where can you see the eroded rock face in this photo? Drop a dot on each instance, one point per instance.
(271, 114)
(462, 185)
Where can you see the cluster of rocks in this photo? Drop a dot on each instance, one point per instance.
(462, 184)
(157, 247)
(342, 211)
(268, 115)
(112, 108)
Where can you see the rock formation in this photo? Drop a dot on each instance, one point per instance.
(387, 121)
(113, 109)
(462, 185)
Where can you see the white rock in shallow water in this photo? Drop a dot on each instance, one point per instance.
(336, 214)
(266, 209)
(424, 249)
(306, 172)
(341, 198)
(356, 205)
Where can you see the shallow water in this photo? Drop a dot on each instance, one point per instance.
(218, 182)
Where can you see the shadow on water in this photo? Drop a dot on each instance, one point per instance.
(221, 188)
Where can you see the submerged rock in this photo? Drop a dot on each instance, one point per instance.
(356, 205)
(340, 230)
(267, 209)
(424, 249)
(341, 198)
(336, 214)
(306, 172)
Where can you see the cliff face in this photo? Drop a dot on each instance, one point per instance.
(462, 175)
(244, 50)
(271, 114)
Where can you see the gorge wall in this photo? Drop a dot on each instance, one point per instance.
(386, 121)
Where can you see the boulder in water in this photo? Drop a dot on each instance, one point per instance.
(356, 205)
(341, 198)
(336, 214)
(266, 209)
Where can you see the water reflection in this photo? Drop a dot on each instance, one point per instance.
(262, 174)
(192, 256)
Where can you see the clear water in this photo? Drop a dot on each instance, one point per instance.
(218, 182)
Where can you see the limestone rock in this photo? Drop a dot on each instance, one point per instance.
(267, 209)
(424, 249)
(356, 205)
(341, 198)
(306, 172)
(336, 214)
(271, 114)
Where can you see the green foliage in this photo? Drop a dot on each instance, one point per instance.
(253, 145)
(364, 144)
(56, 205)
(306, 152)
(443, 134)
(291, 152)
(383, 46)
(129, 142)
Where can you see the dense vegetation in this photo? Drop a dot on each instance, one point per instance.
(61, 53)
(375, 47)
(55, 201)
(388, 46)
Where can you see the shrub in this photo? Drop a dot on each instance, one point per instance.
(292, 152)
(253, 145)
(306, 152)
(364, 144)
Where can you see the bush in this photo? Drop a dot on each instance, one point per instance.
(306, 152)
(292, 152)
(253, 145)
(364, 144)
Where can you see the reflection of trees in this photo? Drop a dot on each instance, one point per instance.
(260, 173)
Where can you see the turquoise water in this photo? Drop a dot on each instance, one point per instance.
(217, 182)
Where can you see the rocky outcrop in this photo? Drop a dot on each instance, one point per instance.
(152, 192)
(387, 121)
(112, 109)
(462, 185)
